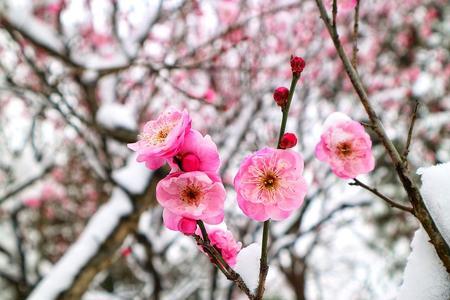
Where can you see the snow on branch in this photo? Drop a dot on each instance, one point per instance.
(95, 248)
(425, 276)
(19, 16)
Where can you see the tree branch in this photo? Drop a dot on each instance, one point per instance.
(382, 196)
(355, 35)
(410, 130)
(219, 261)
(411, 188)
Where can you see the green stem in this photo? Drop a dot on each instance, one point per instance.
(203, 230)
(263, 267)
(265, 239)
(285, 109)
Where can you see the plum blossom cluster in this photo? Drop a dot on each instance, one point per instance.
(193, 190)
(269, 183)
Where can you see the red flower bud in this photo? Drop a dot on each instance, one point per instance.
(126, 251)
(187, 226)
(297, 65)
(280, 95)
(190, 162)
(288, 140)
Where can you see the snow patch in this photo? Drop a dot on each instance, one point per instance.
(20, 15)
(436, 194)
(115, 115)
(247, 264)
(425, 277)
(134, 176)
(422, 85)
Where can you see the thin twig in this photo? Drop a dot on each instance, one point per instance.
(26, 184)
(331, 214)
(220, 262)
(410, 130)
(229, 273)
(382, 196)
(334, 13)
(355, 35)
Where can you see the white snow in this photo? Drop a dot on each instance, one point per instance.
(134, 176)
(247, 264)
(115, 115)
(20, 15)
(97, 231)
(425, 277)
(436, 193)
(422, 85)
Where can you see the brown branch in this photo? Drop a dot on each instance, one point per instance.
(410, 187)
(388, 200)
(104, 257)
(218, 260)
(334, 12)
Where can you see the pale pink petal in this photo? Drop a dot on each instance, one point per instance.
(346, 147)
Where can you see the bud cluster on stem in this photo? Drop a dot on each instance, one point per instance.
(297, 66)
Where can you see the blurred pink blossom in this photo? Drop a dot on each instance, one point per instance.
(210, 95)
(345, 146)
(32, 202)
(344, 5)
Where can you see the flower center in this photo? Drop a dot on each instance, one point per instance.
(344, 150)
(162, 134)
(191, 195)
(269, 181)
(158, 136)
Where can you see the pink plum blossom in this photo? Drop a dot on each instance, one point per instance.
(345, 146)
(192, 195)
(198, 153)
(161, 139)
(179, 223)
(223, 241)
(269, 184)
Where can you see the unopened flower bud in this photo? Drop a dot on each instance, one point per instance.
(190, 162)
(288, 140)
(297, 65)
(126, 251)
(187, 226)
(280, 95)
